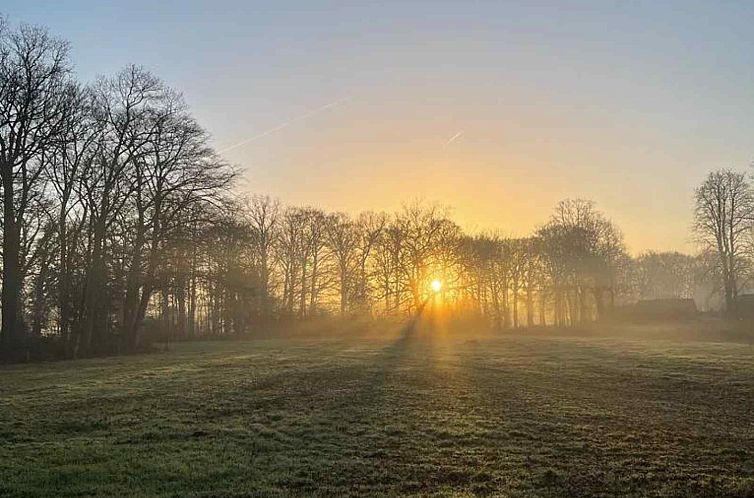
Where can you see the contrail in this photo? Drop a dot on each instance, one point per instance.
(284, 125)
(453, 138)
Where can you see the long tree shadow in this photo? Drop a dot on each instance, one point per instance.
(380, 407)
(393, 353)
(349, 422)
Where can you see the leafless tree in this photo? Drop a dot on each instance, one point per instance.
(36, 98)
(722, 219)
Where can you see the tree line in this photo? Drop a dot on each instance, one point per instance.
(99, 182)
(265, 263)
(120, 222)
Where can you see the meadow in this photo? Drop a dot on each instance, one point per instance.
(412, 414)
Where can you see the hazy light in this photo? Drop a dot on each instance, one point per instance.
(436, 285)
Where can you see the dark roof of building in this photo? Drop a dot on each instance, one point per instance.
(666, 306)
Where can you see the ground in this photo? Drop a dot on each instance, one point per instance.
(413, 415)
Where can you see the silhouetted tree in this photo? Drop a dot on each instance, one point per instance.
(722, 218)
(36, 101)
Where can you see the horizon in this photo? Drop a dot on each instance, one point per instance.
(359, 108)
(376, 249)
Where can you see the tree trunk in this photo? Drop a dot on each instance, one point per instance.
(343, 290)
(39, 300)
(11, 332)
(180, 296)
(529, 306)
(542, 309)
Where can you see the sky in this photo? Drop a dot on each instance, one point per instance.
(495, 109)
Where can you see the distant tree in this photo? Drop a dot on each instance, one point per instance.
(663, 275)
(722, 219)
(583, 253)
(371, 227)
(264, 217)
(423, 230)
(315, 258)
(343, 238)
(386, 274)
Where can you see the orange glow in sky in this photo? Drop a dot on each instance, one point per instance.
(496, 109)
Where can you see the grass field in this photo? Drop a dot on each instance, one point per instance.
(417, 415)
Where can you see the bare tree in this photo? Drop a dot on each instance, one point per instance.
(371, 227)
(722, 218)
(657, 275)
(264, 216)
(36, 94)
(343, 238)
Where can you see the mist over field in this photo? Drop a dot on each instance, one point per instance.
(400, 249)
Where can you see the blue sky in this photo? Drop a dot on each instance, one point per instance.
(626, 103)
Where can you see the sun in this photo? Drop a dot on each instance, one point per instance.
(435, 285)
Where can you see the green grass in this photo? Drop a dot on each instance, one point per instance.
(502, 416)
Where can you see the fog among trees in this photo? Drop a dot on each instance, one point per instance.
(121, 224)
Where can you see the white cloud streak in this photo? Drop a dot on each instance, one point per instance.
(284, 125)
(453, 138)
